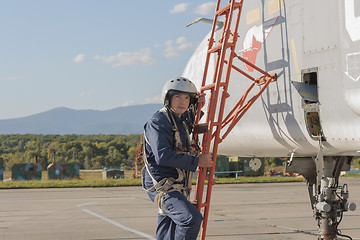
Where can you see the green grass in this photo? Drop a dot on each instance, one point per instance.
(354, 175)
(70, 183)
(87, 179)
(262, 179)
(127, 182)
(94, 179)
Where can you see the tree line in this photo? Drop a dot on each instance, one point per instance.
(89, 151)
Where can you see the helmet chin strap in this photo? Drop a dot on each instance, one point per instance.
(174, 111)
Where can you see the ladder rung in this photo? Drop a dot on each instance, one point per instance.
(211, 86)
(223, 10)
(216, 48)
(208, 87)
(227, 8)
(217, 124)
(205, 204)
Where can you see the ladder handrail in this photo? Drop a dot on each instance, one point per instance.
(139, 156)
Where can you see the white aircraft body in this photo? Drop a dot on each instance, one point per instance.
(311, 114)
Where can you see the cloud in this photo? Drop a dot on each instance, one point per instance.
(206, 8)
(143, 57)
(157, 45)
(12, 78)
(79, 58)
(129, 103)
(182, 7)
(156, 99)
(85, 94)
(175, 48)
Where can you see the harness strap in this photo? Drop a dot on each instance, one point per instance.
(160, 196)
(166, 185)
(178, 143)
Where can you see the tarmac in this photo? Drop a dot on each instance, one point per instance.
(238, 211)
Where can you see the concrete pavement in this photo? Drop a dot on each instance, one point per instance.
(238, 211)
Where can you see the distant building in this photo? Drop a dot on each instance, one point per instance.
(238, 166)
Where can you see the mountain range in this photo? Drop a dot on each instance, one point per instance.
(121, 120)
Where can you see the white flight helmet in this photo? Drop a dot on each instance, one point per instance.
(176, 86)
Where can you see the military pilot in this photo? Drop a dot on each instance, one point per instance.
(170, 158)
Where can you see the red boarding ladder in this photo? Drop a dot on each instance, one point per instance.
(225, 54)
(139, 158)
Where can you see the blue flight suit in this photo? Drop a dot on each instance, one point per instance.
(182, 219)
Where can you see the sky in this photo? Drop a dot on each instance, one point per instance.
(93, 54)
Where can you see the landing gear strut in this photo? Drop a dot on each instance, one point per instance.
(328, 200)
